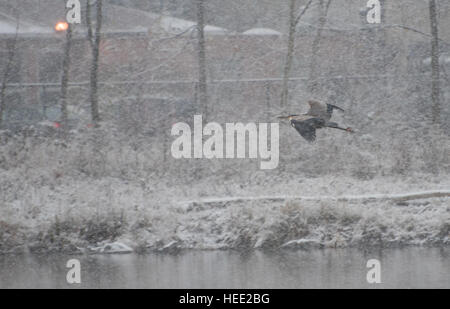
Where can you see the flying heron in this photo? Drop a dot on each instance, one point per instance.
(317, 117)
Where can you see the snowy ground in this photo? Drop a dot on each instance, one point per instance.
(47, 213)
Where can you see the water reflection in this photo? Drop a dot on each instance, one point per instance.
(336, 268)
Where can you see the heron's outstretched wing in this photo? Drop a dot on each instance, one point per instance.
(322, 110)
(318, 109)
(307, 128)
(331, 108)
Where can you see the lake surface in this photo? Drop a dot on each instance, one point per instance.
(331, 268)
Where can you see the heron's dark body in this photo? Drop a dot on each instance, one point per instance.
(307, 128)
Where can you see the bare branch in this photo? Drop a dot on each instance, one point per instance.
(302, 13)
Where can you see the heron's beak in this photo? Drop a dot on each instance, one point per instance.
(287, 117)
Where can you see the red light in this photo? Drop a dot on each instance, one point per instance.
(61, 26)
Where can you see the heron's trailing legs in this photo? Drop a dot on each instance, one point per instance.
(334, 125)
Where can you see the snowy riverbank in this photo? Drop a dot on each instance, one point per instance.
(89, 214)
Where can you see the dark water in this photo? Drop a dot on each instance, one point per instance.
(334, 268)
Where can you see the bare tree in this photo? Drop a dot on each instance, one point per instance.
(293, 22)
(11, 49)
(324, 6)
(94, 40)
(435, 69)
(202, 85)
(65, 77)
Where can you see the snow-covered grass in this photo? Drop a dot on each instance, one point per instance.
(56, 224)
(99, 188)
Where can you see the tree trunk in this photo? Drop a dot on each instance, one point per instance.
(202, 86)
(435, 69)
(289, 56)
(94, 40)
(313, 75)
(11, 51)
(293, 22)
(65, 78)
